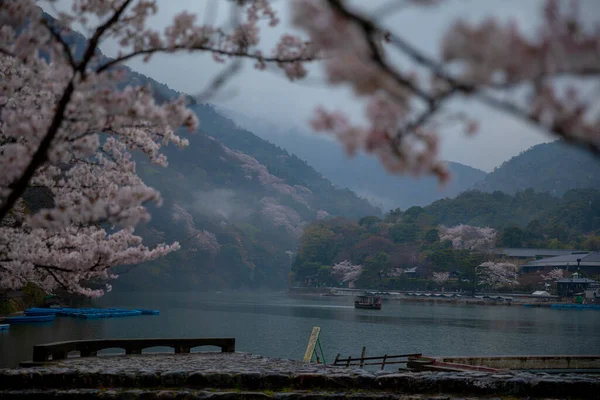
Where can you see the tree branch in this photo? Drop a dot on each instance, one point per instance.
(370, 30)
(239, 54)
(59, 39)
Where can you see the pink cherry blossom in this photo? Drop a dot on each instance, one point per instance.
(554, 275)
(494, 275)
(441, 277)
(347, 272)
(467, 237)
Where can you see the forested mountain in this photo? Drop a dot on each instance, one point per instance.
(414, 243)
(548, 167)
(235, 202)
(363, 174)
(577, 210)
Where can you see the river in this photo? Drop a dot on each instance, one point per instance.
(277, 325)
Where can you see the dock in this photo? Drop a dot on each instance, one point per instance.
(557, 364)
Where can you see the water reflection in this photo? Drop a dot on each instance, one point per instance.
(279, 326)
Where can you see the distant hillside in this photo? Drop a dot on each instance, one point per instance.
(549, 167)
(235, 202)
(363, 174)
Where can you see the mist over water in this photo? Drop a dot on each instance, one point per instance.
(276, 325)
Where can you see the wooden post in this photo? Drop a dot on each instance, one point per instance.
(383, 363)
(362, 356)
(336, 359)
(348, 362)
(312, 342)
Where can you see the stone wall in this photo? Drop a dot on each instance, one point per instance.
(241, 375)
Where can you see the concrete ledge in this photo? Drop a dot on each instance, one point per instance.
(233, 373)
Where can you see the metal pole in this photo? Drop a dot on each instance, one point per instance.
(322, 354)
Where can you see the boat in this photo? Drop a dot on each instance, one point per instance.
(29, 318)
(149, 312)
(368, 302)
(41, 311)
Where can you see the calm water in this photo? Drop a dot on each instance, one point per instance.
(279, 326)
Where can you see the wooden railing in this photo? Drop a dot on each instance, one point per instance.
(90, 348)
(383, 360)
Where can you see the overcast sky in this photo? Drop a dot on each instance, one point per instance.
(270, 96)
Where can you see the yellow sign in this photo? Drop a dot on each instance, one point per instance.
(312, 342)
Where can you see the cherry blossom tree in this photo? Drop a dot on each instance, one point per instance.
(200, 238)
(539, 79)
(441, 277)
(347, 272)
(494, 275)
(282, 216)
(554, 275)
(67, 127)
(467, 237)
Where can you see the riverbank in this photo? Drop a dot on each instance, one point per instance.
(487, 299)
(243, 375)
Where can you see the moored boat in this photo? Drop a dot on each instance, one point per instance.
(368, 302)
(29, 318)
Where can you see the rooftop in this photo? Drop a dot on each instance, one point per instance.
(532, 252)
(592, 258)
(575, 280)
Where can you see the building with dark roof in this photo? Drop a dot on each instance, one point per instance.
(536, 254)
(586, 263)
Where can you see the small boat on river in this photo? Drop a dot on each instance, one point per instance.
(368, 302)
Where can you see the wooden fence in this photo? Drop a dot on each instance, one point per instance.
(380, 360)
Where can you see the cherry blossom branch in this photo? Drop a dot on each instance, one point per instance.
(408, 143)
(41, 154)
(370, 30)
(66, 49)
(468, 89)
(95, 40)
(239, 54)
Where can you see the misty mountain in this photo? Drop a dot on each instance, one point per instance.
(362, 174)
(235, 202)
(548, 167)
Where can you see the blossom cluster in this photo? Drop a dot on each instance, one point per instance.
(554, 275)
(201, 238)
(494, 275)
(347, 272)
(299, 193)
(441, 277)
(282, 216)
(467, 237)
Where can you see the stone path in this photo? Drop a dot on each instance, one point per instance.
(242, 375)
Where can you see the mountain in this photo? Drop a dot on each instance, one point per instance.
(548, 167)
(363, 174)
(235, 202)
